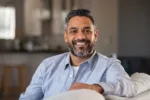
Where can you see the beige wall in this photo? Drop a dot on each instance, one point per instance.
(32, 22)
(106, 15)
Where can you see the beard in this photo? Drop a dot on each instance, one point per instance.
(81, 47)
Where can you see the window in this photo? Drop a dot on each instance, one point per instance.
(7, 22)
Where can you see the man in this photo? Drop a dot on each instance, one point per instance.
(82, 67)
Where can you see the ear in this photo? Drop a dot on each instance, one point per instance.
(65, 36)
(96, 35)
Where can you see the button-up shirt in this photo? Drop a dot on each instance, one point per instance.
(55, 75)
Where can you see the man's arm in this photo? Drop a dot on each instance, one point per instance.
(34, 90)
(94, 87)
(118, 81)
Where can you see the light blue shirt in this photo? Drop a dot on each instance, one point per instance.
(55, 75)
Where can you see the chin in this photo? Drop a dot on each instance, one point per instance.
(81, 54)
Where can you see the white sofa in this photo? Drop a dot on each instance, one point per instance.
(142, 87)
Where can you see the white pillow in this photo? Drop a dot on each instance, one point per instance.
(141, 81)
(82, 94)
(114, 97)
(142, 85)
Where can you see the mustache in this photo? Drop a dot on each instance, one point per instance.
(81, 40)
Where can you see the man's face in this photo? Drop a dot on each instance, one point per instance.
(80, 36)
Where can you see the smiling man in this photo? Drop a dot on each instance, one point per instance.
(80, 68)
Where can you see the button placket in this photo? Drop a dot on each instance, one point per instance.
(71, 75)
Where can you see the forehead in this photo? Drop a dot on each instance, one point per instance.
(78, 21)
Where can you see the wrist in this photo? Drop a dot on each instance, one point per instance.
(97, 88)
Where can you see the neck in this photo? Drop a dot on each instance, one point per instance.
(76, 61)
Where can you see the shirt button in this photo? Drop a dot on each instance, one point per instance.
(70, 75)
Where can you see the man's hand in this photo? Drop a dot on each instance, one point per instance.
(94, 87)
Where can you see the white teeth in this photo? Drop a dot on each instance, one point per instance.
(80, 43)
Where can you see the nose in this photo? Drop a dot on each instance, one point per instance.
(80, 35)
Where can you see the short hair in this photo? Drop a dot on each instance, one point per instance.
(79, 12)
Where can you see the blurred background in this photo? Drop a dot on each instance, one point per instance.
(32, 30)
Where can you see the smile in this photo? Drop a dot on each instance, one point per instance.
(80, 43)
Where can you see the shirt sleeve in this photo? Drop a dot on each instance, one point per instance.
(117, 81)
(34, 90)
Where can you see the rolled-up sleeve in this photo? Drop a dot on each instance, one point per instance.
(118, 81)
(34, 90)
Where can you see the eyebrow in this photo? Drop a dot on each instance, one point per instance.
(87, 27)
(72, 28)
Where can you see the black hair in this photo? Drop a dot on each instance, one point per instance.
(79, 12)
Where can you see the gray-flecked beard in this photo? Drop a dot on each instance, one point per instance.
(85, 53)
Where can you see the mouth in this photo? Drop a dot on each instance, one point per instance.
(80, 43)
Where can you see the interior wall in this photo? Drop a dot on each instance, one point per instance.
(134, 28)
(106, 15)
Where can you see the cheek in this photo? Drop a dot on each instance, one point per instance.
(68, 40)
(91, 38)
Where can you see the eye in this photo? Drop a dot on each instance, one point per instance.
(87, 31)
(73, 31)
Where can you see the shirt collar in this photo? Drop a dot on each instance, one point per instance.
(90, 61)
(67, 63)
